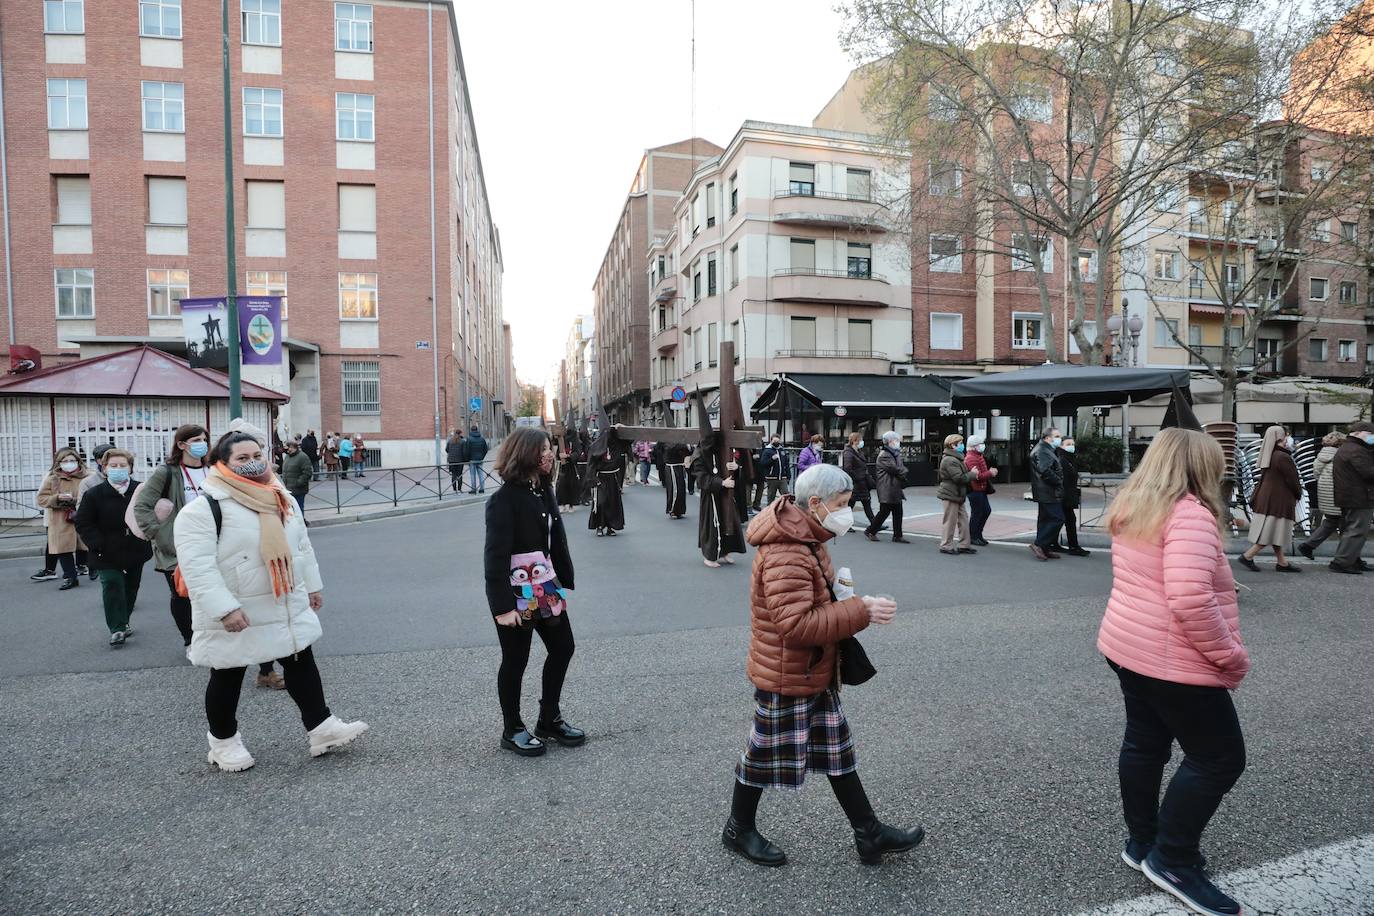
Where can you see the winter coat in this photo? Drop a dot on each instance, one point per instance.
(227, 572)
(345, 448)
(775, 463)
(954, 477)
(521, 520)
(164, 483)
(1279, 487)
(642, 450)
(795, 622)
(60, 494)
(891, 476)
(100, 522)
(975, 462)
(1322, 470)
(1047, 476)
(330, 456)
(311, 446)
(1172, 614)
(809, 456)
(852, 463)
(1073, 493)
(1352, 475)
(296, 471)
(457, 451)
(88, 483)
(477, 447)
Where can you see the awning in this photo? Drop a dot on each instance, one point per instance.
(1203, 308)
(1034, 391)
(862, 395)
(142, 372)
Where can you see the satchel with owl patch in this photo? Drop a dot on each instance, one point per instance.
(538, 596)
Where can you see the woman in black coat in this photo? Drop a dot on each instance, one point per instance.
(853, 463)
(1073, 497)
(528, 574)
(116, 554)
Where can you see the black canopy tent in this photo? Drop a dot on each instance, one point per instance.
(1041, 388)
(862, 396)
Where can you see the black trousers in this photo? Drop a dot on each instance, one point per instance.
(181, 608)
(1203, 721)
(1049, 521)
(302, 683)
(556, 632)
(980, 510)
(1070, 528)
(864, 501)
(884, 511)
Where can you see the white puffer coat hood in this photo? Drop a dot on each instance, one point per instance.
(229, 573)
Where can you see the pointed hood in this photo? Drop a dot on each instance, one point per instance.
(784, 522)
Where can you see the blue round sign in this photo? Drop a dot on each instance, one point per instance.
(679, 394)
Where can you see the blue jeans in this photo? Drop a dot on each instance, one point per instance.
(644, 470)
(1047, 526)
(476, 484)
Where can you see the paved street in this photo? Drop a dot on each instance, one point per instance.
(992, 721)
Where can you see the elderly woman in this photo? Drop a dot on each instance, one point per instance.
(59, 495)
(954, 480)
(978, 489)
(1275, 501)
(1326, 495)
(797, 621)
(246, 563)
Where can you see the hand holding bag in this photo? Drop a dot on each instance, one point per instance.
(852, 661)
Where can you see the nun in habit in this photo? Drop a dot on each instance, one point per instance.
(569, 486)
(719, 533)
(675, 479)
(605, 465)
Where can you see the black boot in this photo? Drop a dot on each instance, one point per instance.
(522, 742)
(560, 732)
(751, 844)
(875, 838)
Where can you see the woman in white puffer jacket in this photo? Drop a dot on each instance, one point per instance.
(254, 587)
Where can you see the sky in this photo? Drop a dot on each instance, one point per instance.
(567, 96)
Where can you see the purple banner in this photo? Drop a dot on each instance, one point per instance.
(260, 330)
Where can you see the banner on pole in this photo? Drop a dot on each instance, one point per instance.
(203, 323)
(260, 330)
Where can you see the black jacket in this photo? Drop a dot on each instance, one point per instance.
(311, 446)
(852, 462)
(519, 520)
(457, 450)
(1047, 475)
(1352, 474)
(774, 462)
(477, 447)
(1073, 494)
(100, 522)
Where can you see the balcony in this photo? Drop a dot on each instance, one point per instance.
(829, 354)
(1245, 359)
(1279, 251)
(828, 210)
(837, 287)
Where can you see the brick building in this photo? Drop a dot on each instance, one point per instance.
(114, 145)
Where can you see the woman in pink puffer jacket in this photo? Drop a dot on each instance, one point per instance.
(1172, 635)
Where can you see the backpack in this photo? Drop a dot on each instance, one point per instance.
(177, 579)
(130, 520)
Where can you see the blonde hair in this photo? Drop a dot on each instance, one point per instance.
(120, 453)
(1179, 462)
(854, 439)
(953, 439)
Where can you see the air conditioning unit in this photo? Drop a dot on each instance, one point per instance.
(903, 370)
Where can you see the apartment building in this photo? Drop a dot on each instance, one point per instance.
(622, 376)
(577, 398)
(114, 143)
(782, 245)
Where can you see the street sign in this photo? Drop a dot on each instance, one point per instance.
(679, 395)
(422, 345)
(475, 404)
(677, 405)
(841, 410)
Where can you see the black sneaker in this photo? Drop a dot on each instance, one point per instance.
(43, 575)
(1135, 853)
(1348, 570)
(82, 571)
(1306, 550)
(70, 583)
(1191, 885)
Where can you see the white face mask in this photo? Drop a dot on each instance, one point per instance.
(979, 448)
(860, 444)
(1288, 442)
(69, 466)
(839, 521)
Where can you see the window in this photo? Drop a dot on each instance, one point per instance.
(1197, 215)
(803, 255)
(73, 200)
(75, 293)
(1028, 178)
(353, 27)
(1194, 335)
(159, 18)
(801, 179)
(1317, 291)
(946, 179)
(734, 195)
(1166, 329)
(696, 280)
(713, 344)
(1084, 129)
(167, 201)
(734, 338)
(64, 16)
(66, 104)
(860, 262)
(1235, 277)
(1345, 351)
(1080, 191)
(1321, 231)
(353, 115)
(1089, 331)
(803, 335)
(1348, 231)
(261, 22)
(166, 289)
(1349, 292)
(164, 107)
(1087, 265)
(362, 386)
(1267, 353)
(266, 205)
(946, 254)
(734, 266)
(262, 112)
(358, 297)
(1235, 336)
(268, 283)
(711, 274)
(942, 104)
(696, 214)
(1195, 277)
(1021, 256)
(1316, 349)
(860, 335)
(1032, 103)
(1167, 198)
(698, 348)
(662, 266)
(858, 184)
(1168, 265)
(946, 331)
(1025, 331)
(710, 205)
(1320, 170)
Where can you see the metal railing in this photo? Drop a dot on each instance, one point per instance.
(1214, 355)
(824, 195)
(394, 486)
(826, 272)
(830, 354)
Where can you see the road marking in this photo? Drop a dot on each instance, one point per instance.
(1334, 880)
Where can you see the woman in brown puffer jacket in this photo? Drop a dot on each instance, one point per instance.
(797, 620)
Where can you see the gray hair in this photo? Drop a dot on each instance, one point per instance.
(892, 436)
(1048, 431)
(825, 481)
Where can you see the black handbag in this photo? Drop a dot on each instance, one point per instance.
(855, 668)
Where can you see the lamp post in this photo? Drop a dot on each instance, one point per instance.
(230, 236)
(1125, 351)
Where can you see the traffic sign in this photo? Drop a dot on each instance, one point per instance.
(679, 394)
(475, 404)
(422, 345)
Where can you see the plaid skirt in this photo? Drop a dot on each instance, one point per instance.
(791, 735)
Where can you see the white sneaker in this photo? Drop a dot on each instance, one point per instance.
(229, 754)
(333, 732)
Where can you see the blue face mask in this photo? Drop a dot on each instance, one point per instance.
(199, 449)
(1057, 441)
(1368, 438)
(959, 448)
(118, 475)
(1070, 448)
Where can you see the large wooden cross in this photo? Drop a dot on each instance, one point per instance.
(735, 433)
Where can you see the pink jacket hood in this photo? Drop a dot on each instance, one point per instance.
(1172, 613)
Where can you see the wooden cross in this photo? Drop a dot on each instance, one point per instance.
(735, 433)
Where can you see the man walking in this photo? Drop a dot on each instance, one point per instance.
(310, 445)
(1047, 489)
(1352, 483)
(477, 453)
(457, 451)
(296, 472)
(891, 481)
(776, 469)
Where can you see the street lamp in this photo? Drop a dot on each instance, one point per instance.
(1133, 325)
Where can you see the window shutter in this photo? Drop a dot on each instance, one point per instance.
(74, 201)
(167, 201)
(266, 205)
(357, 208)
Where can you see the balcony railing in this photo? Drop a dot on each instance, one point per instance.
(664, 328)
(824, 272)
(803, 191)
(1215, 355)
(829, 354)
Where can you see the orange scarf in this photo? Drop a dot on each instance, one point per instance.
(272, 505)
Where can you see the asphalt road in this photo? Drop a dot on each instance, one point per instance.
(992, 721)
